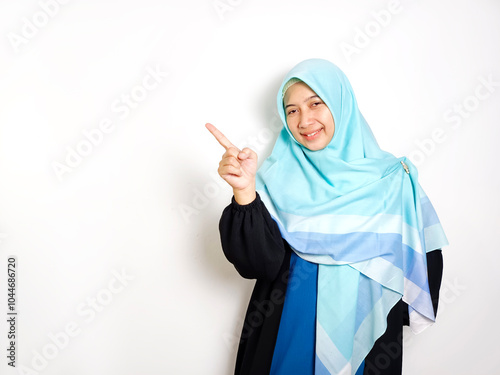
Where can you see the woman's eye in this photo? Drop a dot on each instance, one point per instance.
(317, 103)
(291, 111)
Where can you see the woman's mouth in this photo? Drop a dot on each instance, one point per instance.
(313, 134)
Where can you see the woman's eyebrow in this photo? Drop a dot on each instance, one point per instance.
(305, 100)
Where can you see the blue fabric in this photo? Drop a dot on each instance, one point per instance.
(361, 368)
(320, 369)
(295, 346)
(360, 214)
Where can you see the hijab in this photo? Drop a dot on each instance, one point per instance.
(360, 214)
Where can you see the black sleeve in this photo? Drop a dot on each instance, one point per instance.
(434, 274)
(251, 240)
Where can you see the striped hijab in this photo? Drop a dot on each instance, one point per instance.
(360, 214)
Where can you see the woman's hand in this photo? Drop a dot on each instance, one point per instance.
(237, 168)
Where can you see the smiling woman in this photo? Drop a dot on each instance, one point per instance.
(308, 117)
(339, 227)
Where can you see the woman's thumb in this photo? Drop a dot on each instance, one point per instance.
(246, 153)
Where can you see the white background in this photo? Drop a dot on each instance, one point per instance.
(144, 200)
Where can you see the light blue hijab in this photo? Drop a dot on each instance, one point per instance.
(359, 213)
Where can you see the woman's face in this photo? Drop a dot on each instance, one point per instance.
(308, 117)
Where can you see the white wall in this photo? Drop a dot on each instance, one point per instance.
(144, 202)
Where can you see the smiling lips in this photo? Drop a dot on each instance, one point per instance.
(311, 135)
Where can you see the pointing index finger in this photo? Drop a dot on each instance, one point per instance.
(221, 138)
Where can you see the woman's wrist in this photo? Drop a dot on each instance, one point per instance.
(245, 196)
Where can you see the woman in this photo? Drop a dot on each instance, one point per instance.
(343, 242)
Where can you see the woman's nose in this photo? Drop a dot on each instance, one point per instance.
(306, 119)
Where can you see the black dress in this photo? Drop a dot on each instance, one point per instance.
(252, 242)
